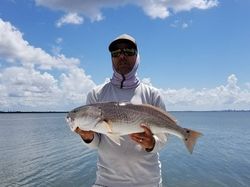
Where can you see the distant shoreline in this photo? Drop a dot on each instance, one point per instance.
(168, 111)
(34, 112)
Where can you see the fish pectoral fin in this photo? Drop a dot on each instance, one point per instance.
(108, 125)
(109, 131)
(115, 138)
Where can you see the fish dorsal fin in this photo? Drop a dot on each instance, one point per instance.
(160, 110)
(124, 103)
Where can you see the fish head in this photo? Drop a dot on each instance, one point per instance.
(85, 117)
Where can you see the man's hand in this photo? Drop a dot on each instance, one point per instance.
(87, 136)
(145, 139)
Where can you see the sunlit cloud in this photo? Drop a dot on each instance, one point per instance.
(16, 50)
(228, 96)
(70, 18)
(27, 81)
(93, 9)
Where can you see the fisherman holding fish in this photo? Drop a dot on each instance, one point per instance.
(134, 161)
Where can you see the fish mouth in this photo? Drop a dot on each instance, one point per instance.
(69, 120)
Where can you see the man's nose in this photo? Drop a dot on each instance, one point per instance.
(122, 56)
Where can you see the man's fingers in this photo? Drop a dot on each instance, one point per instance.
(77, 130)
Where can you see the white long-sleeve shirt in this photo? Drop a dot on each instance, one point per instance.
(128, 164)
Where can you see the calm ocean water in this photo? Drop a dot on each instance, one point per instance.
(38, 149)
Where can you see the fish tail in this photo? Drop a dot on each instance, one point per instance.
(190, 139)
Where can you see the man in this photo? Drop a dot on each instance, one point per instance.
(135, 163)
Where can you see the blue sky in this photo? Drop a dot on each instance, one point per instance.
(53, 52)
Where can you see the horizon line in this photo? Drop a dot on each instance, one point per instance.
(223, 110)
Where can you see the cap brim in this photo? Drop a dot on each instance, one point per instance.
(113, 45)
(124, 38)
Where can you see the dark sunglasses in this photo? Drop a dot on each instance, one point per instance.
(126, 52)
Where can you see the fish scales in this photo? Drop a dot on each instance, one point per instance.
(148, 114)
(117, 119)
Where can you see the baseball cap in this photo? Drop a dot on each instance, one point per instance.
(123, 38)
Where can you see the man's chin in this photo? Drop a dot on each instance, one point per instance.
(124, 71)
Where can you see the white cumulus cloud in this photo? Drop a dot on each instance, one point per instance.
(228, 96)
(26, 83)
(70, 18)
(93, 8)
(14, 49)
